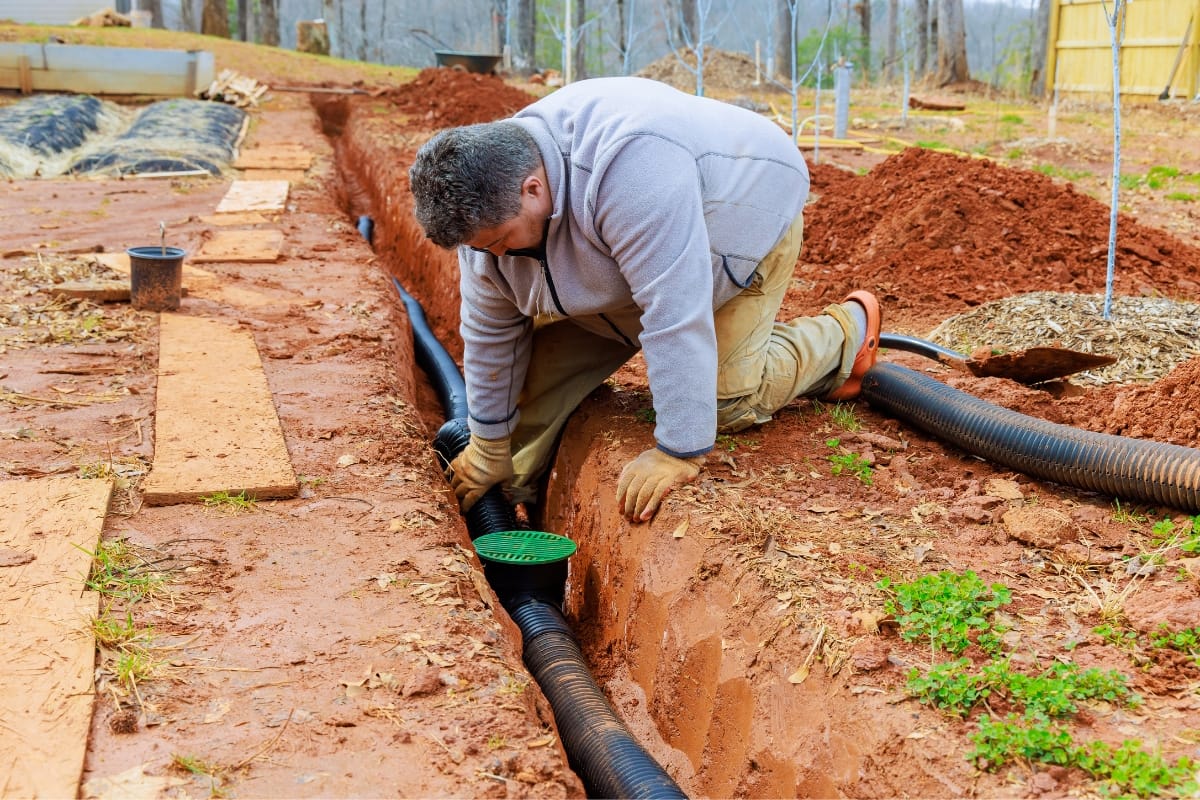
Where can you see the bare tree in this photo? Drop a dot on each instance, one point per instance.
(1037, 55)
(579, 52)
(921, 13)
(863, 9)
(782, 41)
(215, 21)
(524, 25)
(697, 31)
(952, 43)
(243, 19)
(268, 23)
(155, 9)
(889, 47)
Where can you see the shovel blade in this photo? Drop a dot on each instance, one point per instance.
(1036, 364)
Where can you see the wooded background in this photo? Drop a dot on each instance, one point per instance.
(938, 42)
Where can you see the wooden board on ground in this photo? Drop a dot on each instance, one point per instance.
(235, 218)
(199, 283)
(98, 291)
(289, 175)
(255, 245)
(215, 425)
(283, 156)
(254, 196)
(48, 530)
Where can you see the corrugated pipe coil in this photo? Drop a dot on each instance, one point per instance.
(1132, 469)
(601, 750)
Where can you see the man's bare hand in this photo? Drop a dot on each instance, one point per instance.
(647, 479)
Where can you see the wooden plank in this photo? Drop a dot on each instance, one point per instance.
(98, 291)
(283, 156)
(215, 426)
(199, 283)
(254, 196)
(260, 245)
(235, 218)
(48, 530)
(289, 175)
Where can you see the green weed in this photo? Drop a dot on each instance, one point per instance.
(852, 463)
(730, 443)
(203, 769)
(1012, 119)
(946, 607)
(118, 572)
(1185, 640)
(1182, 197)
(1158, 176)
(844, 417)
(113, 632)
(1127, 515)
(930, 144)
(1055, 171)
(230, 503)
(133, 666)
(1014, 154)
(645, 415)
(1126, 769)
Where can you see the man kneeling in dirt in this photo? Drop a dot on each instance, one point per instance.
(619, 214)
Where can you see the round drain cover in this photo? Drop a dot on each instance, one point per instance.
(524, 547)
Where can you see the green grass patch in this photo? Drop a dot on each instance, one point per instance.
(849, 463)
(231, 503)
(1055, 171)
(1181, 197)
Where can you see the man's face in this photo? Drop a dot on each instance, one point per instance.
(524, 231)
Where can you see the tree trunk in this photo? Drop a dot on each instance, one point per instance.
(269, 21)
(889, 46)
(622, 38)
(524, 36)
(863, 7)
(781, 42)
(1037, 56)
(215, 21)
(155, 9)
(242, 20)
(952, 43)
(921, 22)
(579, 50)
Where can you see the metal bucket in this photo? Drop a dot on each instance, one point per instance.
(155, 277)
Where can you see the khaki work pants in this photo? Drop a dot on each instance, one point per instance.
(762, 365)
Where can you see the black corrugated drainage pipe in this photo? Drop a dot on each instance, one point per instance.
(601, 750)
(1133, 469)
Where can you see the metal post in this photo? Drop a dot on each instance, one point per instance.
(841, 95)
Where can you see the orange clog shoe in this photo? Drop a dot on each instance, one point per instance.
(865, 358)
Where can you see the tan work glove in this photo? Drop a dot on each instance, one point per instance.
(481, 465)
(647, 479)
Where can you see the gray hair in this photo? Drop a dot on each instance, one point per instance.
(469, 178)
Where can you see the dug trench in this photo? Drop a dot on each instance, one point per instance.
(742, 634)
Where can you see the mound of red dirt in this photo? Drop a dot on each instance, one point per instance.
(936, 233)
(441, 97)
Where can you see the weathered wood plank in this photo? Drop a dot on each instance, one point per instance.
(48, 530)
(215, 428)
(254, 196)
(261, 245)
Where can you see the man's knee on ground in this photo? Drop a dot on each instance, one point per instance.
(736, 414)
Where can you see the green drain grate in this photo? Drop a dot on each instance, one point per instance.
(524, 547)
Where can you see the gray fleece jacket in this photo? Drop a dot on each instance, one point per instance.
(664, 204)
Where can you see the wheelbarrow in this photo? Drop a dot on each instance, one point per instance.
(482, 63)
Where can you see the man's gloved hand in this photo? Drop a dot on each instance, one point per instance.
(481, 465)
(647, 479)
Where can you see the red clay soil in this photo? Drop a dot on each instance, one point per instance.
(343, 644)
